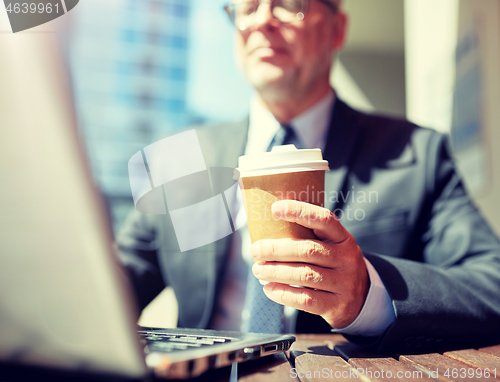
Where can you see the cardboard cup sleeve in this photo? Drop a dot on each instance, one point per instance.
(260, 192)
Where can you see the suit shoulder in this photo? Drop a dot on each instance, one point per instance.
(389, 140)
(394, 130)
(379, 123)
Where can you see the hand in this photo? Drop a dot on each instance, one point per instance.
(332, 269)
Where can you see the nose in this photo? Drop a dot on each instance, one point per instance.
(264, 15)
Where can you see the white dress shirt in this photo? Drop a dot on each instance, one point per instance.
(311, 128)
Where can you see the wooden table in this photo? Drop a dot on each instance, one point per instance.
(330, 357)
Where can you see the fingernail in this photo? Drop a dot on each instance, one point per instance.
(255, 249)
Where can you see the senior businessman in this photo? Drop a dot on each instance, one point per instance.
(405, 263)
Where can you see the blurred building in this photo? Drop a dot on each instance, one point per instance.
(435, 64)
(128, 61)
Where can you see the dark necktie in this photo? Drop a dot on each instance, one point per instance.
(285, 136)
(264, 315)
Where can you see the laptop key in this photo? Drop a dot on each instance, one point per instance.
(221, 340)
(168, 342)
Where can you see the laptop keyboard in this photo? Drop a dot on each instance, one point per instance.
(163, 342)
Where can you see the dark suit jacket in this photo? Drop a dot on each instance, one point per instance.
(399, 195)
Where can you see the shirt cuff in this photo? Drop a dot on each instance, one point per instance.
(377, 312)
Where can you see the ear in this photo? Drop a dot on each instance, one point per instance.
(339, 25)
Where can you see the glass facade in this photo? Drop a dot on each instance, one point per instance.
(129, 67)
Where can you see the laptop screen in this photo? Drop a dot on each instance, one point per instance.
(63, 302)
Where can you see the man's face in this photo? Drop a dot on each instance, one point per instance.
(278, 58)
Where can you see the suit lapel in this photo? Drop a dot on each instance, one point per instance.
(343, 137)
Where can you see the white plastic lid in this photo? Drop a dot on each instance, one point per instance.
(281, 159)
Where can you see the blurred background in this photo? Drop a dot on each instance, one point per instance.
(142, 69)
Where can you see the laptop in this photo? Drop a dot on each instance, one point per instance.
(65, 303)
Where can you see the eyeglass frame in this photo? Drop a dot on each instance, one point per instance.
(305, 10)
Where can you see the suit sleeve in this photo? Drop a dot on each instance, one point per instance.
(138, 250)
(452, 299)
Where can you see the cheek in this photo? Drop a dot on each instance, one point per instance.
(310, 45)
(318, 38)
(297, 44)
(239, 49)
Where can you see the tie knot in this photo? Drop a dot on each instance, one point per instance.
(285, 136)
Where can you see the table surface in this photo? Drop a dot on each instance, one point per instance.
(330, 357)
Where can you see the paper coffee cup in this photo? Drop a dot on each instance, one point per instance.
(285, 173)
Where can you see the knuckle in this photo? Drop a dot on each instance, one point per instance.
(311, 249)
(358, 250)
(307, 300)
(283, 295)
(301, 211)
(309, 275)
(272, 247)
(288, 210)
(353, 257)
(331, 218)
(352, 242)
(272, 271)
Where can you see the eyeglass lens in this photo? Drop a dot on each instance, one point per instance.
(244, 13)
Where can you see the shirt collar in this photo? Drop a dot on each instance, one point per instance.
(311, 126)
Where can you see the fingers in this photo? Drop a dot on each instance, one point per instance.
(302, 251)
(343, 289)
(332, 269)
(324, 222)
(309, 300)
(305, 275)
(335, 310)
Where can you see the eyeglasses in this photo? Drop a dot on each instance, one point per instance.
(243, 12)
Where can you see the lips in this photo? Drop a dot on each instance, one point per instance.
(268, 51)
